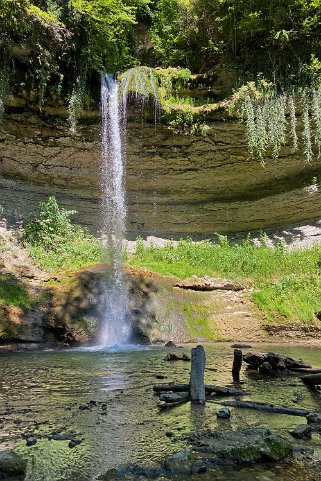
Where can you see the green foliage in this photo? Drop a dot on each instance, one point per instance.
(275, 38)
(292, 297)
(72, 255)
(140, 81)
(13, 293)
(287, 283)
(271, 118)
(55, 243)
(51, 226)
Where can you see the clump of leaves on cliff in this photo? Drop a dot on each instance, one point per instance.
(54, 242)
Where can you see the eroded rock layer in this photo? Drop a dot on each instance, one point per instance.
(176, 184)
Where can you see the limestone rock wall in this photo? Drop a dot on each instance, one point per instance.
(176, 184)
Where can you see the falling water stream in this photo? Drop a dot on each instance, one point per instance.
(116, 327)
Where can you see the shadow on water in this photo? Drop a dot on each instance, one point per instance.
(104, 399)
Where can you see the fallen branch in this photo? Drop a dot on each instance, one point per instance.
(170, 387)
(302, 370)
(224, 391)
(209, 389)
(165, 405)
(311, 379)
(268, 407)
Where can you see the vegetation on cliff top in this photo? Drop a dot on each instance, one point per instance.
(60, 41)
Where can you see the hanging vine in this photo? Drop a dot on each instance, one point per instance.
(271, 120)
(75, 103)
(306, 136)
(316, 117)
(292, 115)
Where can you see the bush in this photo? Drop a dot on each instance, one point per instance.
(51, 226)
(54, 243)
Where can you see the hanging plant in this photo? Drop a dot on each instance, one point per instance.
(292, 115)
(307, 145)
(316, 117)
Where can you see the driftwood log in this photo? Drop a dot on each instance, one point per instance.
(165, 405)
(311, 379)
(268, 407)
(209, 389)
(302, 370)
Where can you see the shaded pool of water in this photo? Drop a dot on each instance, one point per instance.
(49, 394)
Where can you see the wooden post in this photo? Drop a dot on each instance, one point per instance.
(237, 364)
(197, 385)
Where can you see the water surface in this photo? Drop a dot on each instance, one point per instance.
(49, 394)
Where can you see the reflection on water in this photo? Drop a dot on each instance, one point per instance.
(104, 399)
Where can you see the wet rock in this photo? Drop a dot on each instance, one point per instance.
(304, 431)
(169, 434)
(313, 418)
(277, 361)
(265, 368)
(74, 442)
(208, 284)
(31, 441)
(84, 407)
(160, 376)
(174, 397)
(11, 464)
(248, 445)
(170, 344)
(173, 357)
(180, 462)
(241, 346)
(223, 413)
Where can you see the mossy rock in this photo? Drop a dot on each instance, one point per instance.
(243, 446)
(11, 464)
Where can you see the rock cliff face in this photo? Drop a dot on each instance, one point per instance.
(176, 184)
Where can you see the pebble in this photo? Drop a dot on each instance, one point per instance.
(74, 442)
(31, 441)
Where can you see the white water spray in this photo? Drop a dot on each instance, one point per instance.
(116, 328)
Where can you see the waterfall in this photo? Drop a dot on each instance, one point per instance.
(116, 328)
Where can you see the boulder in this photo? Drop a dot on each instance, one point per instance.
(304, 431)
(11, 464)
(243, 446)
(179, 463)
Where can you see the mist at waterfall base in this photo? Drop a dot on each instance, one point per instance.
(116, 329)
